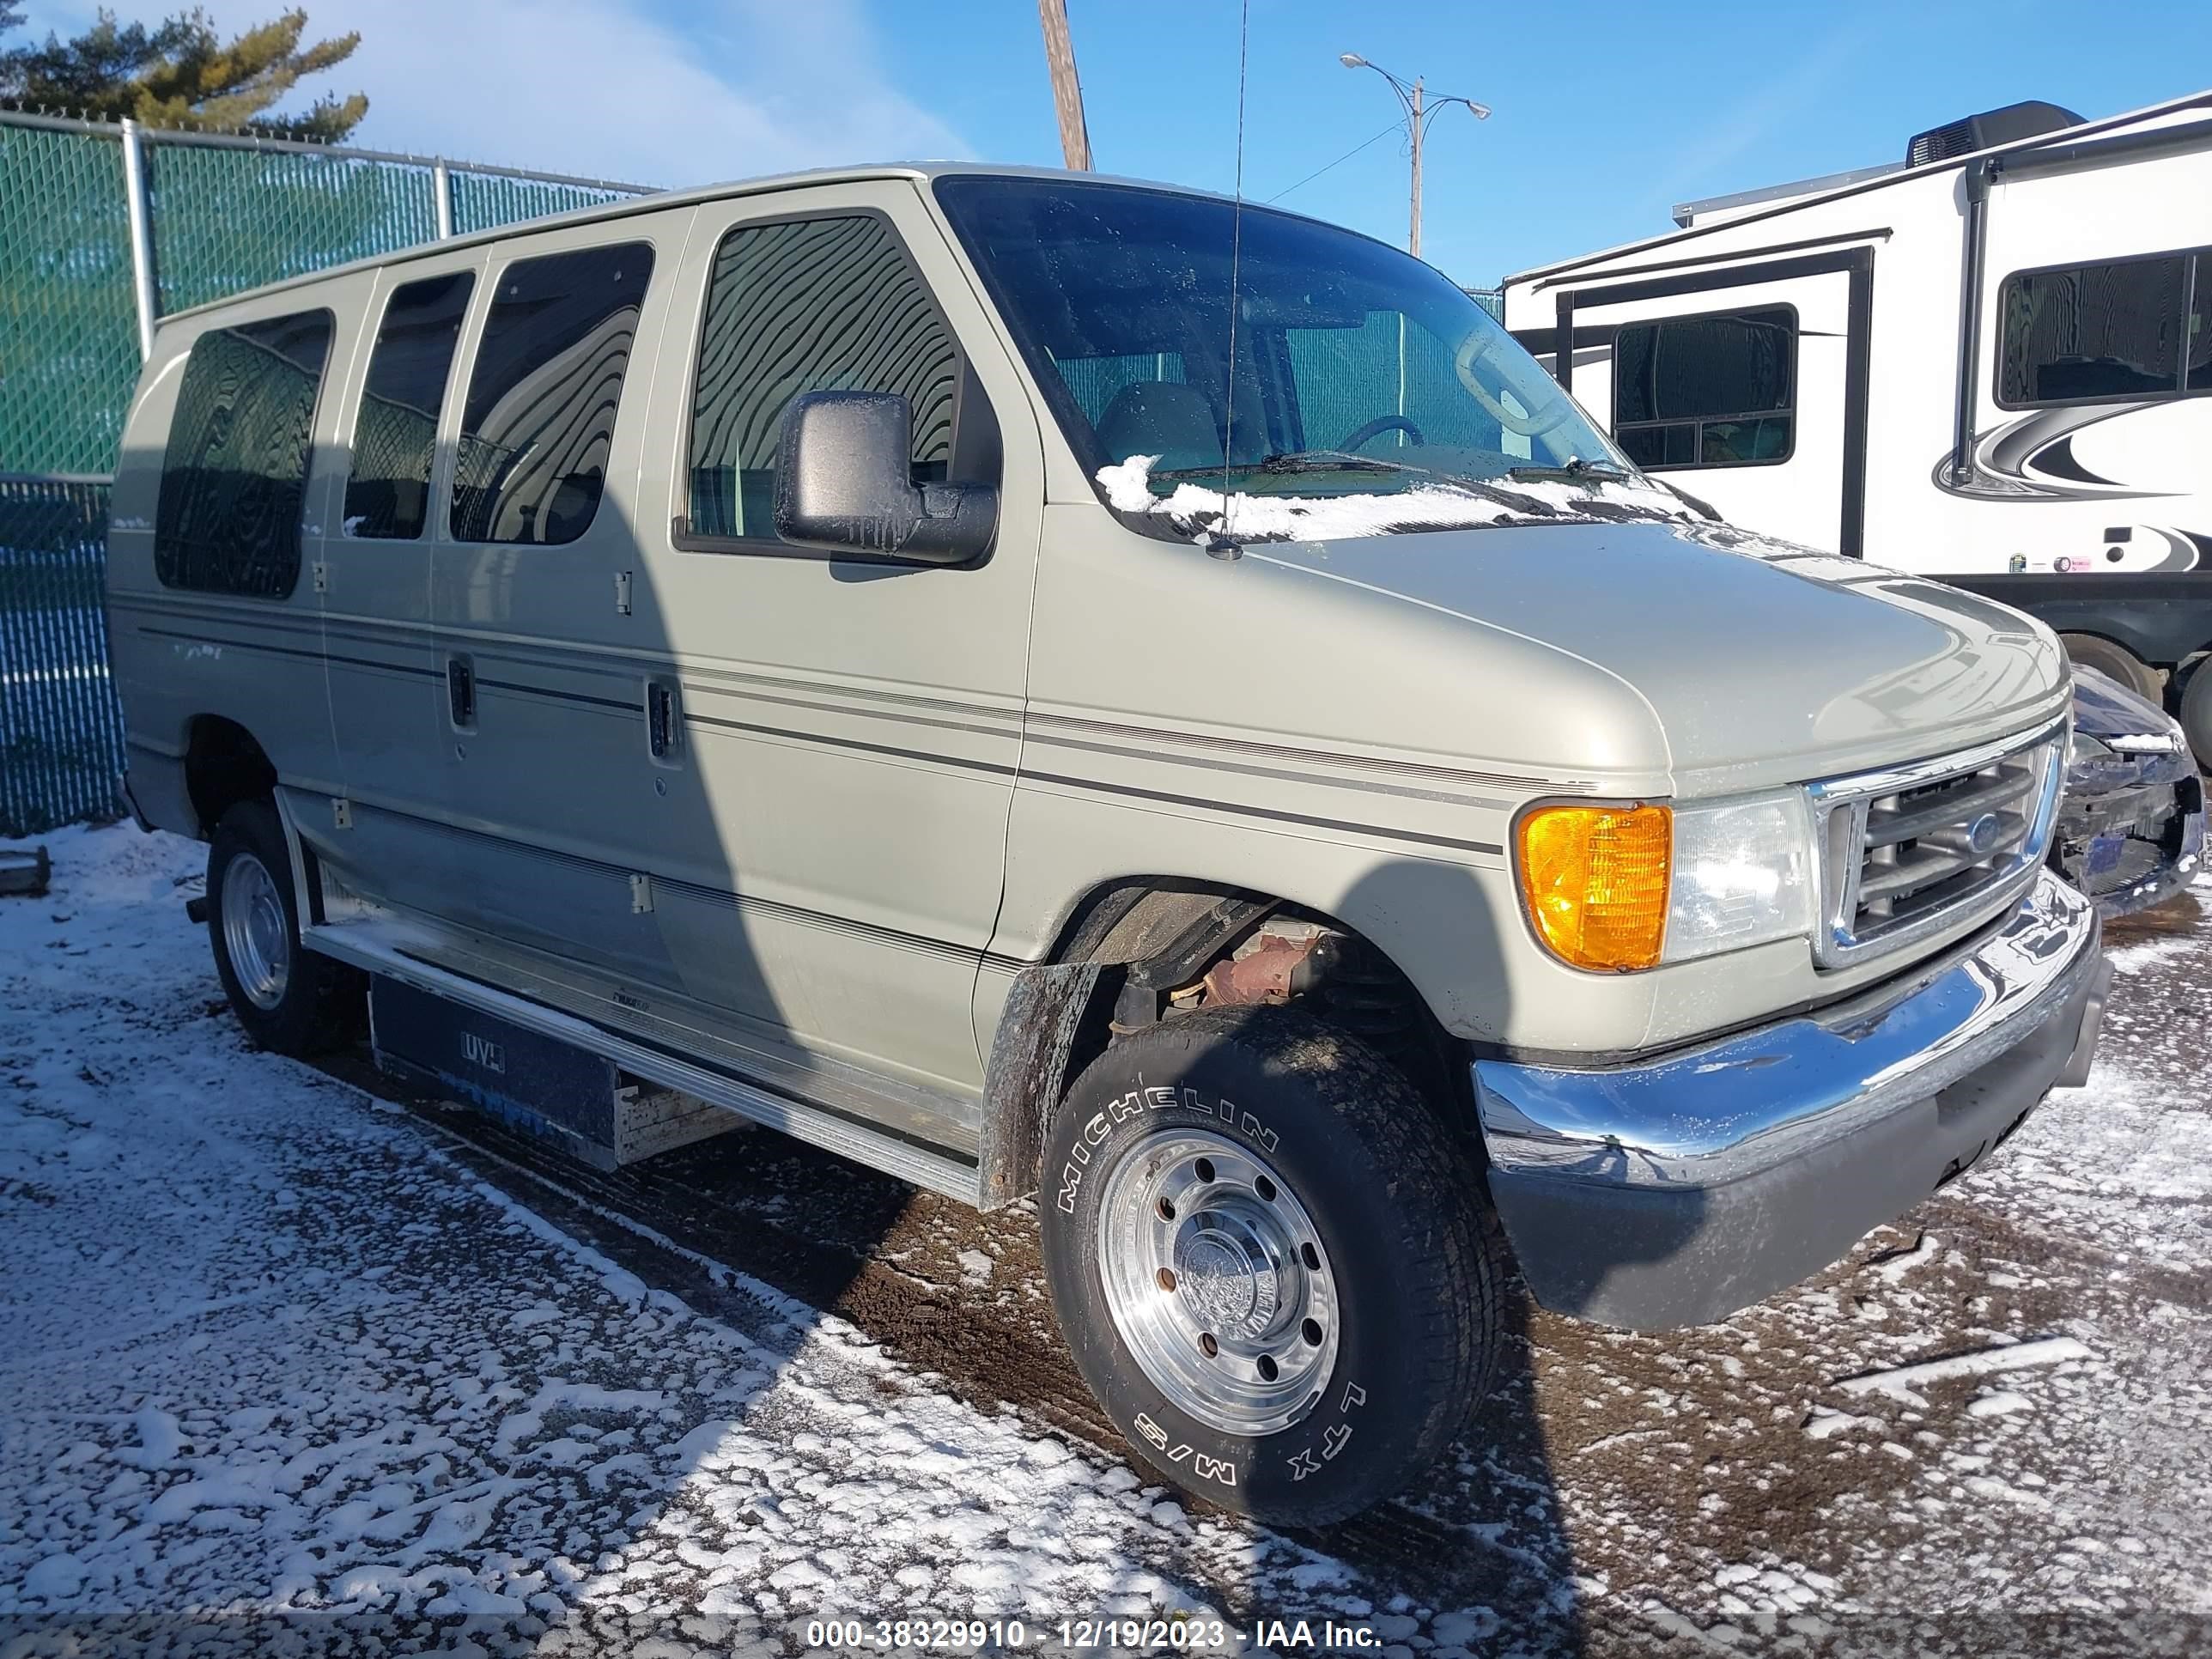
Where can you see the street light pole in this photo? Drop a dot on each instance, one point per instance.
(1418, 113)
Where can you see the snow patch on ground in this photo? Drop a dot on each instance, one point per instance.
(268, 1351)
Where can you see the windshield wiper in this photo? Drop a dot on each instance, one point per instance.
(1577, 470)
(1303, 460)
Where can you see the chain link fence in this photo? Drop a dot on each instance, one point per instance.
(61, 730)
(223, 213)
(220, 213)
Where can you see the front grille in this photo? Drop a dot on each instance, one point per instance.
(1906, 850)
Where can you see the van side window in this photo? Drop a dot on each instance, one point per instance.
(1719, 390)
(235, 469)
(815, 305)
(396, 428)
(540, 416)
(2129, 328)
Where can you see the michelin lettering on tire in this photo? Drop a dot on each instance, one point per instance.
(1136, 1104)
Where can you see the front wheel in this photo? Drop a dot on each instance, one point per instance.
(1270, 1261)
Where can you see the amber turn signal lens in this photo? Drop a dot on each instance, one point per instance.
(1595, 880)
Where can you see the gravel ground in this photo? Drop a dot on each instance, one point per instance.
(290, 1360)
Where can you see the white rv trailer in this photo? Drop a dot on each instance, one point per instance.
(1990, 362)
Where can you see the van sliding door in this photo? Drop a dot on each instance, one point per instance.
(1746, 388)
(543, 652)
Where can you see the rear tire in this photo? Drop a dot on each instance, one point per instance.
(1269, 1258)
(2116, 662)
(288, 998)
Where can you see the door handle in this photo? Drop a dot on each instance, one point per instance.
(662, 734)
(461, 692)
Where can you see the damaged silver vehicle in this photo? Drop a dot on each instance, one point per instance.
(2130, 831)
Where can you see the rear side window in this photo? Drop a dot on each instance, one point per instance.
(817, 305)
(234, 471)
(1719, 390)
(539, 420)
(395, 433)
(2127, 329)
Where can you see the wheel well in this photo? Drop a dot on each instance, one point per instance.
(223, 766)
(1225, 946)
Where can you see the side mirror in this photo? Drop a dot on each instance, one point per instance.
(843, 483)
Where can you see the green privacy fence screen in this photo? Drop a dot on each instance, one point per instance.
(223, 213)
(218, 214)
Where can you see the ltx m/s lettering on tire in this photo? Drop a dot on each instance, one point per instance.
(1270, 1261)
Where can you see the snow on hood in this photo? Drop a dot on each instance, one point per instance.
(1202, 514)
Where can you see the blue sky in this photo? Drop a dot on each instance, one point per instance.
(1606, 113)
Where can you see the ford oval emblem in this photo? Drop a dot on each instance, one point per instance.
(1983, 834)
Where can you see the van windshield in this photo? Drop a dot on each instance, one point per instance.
(1350, 390)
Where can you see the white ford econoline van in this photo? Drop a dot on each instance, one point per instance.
(1048, 686)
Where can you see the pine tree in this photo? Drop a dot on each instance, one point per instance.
(180, 73)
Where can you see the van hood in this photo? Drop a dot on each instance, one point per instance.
(1761, 661)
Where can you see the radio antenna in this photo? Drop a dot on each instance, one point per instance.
(1220, 542)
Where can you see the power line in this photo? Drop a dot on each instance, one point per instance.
(1394, 127)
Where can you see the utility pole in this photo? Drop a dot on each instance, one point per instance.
(1413, 230)
(1418, 113)
(1066, 86)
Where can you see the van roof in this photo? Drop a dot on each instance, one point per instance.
(1858, 182)
(916, 172)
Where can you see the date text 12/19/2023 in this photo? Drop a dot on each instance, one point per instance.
(1081, 1635)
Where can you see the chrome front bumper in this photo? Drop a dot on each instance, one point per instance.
(1675, 1192)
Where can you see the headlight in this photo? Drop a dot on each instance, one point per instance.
(1621, 888)
(1743, 874)
(2083, 749)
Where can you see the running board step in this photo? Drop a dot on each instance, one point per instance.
(940, 1172)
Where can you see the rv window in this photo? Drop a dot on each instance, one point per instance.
(2086, 332)
(808, 305)
(1710, 390)
(234, 471)
(395, 430)
(540, 416)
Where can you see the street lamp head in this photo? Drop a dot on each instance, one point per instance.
(1481, 111)
(1352, 60)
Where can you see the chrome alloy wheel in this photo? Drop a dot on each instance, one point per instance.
(255, 934)
(1216, 1281)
